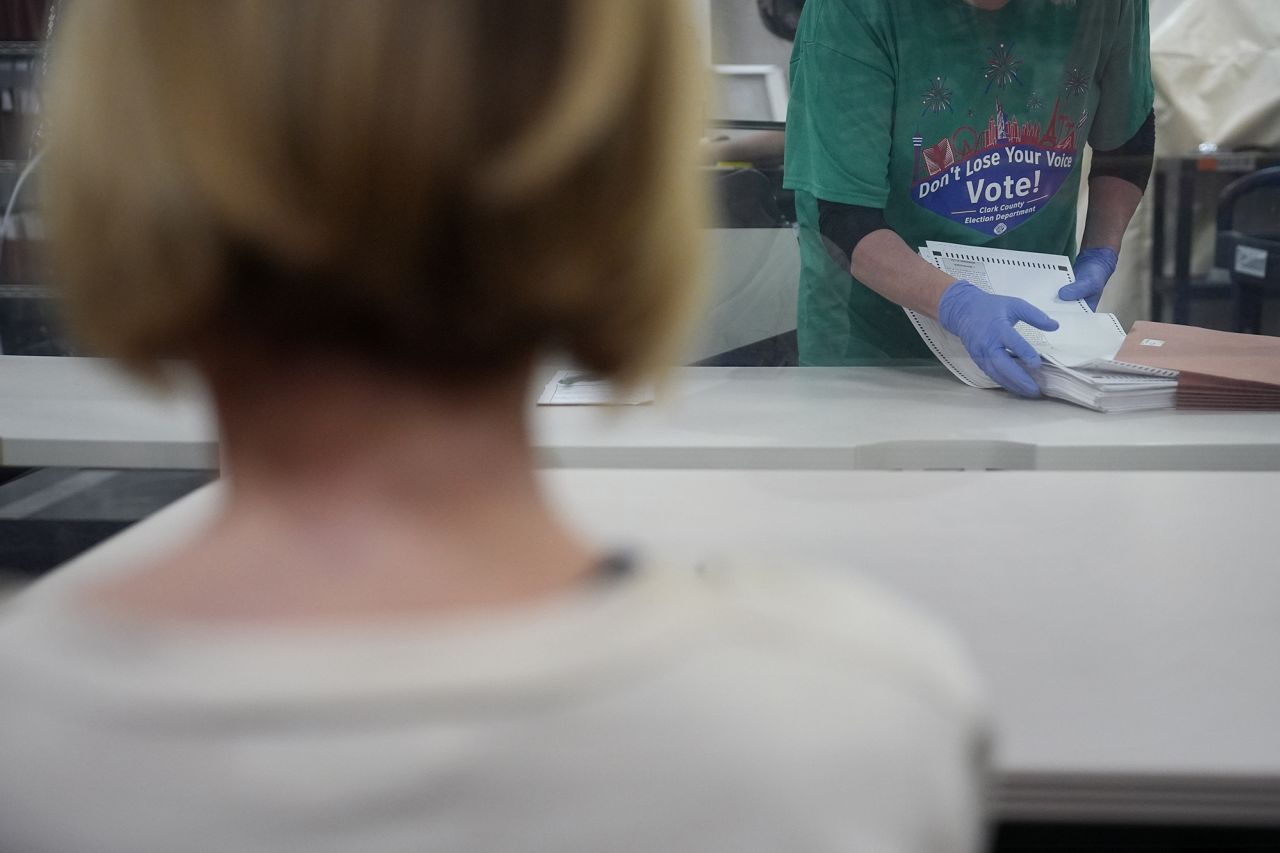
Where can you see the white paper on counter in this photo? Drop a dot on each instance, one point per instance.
(571, 388)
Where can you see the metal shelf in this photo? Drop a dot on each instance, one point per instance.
(21, 49)
(1200, 286)
(25, 291)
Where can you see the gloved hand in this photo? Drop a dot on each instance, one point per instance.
(984, 323)
(1094, 268)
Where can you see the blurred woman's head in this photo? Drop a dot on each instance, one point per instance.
(443, 189)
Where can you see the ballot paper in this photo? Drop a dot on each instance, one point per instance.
(1108, 391)
(573, 388)
(1082, 338)
(1078, 358)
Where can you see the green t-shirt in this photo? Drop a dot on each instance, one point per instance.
(965, 126)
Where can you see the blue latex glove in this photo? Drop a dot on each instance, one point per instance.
(984, 323)
(1094, 268)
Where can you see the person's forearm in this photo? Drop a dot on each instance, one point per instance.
(887, 265)
(1112, 203)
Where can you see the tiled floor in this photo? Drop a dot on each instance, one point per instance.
(50, 515)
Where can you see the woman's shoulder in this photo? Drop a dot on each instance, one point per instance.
(835, 619)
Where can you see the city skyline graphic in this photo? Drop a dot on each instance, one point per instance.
(1059, 134)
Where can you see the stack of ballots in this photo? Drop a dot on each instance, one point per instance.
(1080, 363)
(1109, 387)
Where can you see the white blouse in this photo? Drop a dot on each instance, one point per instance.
(717, 708)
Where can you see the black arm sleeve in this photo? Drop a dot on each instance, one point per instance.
(1132, 161)
(844, 225)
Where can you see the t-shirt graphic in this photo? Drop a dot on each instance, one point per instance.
(994, 177)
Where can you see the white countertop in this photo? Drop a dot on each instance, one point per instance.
(915, 418)
(85, 413)
(79, 412)
(1126, 622)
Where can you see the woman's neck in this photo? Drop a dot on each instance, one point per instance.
(352, 495)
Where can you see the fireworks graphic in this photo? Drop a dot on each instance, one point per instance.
(1077, 83)
(1002, 67)
(1035, 103)
(938, 97)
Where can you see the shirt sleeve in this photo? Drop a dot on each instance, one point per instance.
(840, 119)
(1126, 92)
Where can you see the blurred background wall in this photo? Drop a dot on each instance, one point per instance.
(22, 20)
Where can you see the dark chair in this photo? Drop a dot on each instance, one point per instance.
(1248, 243)
(748, 198)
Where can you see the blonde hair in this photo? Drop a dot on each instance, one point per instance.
(444, 187)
